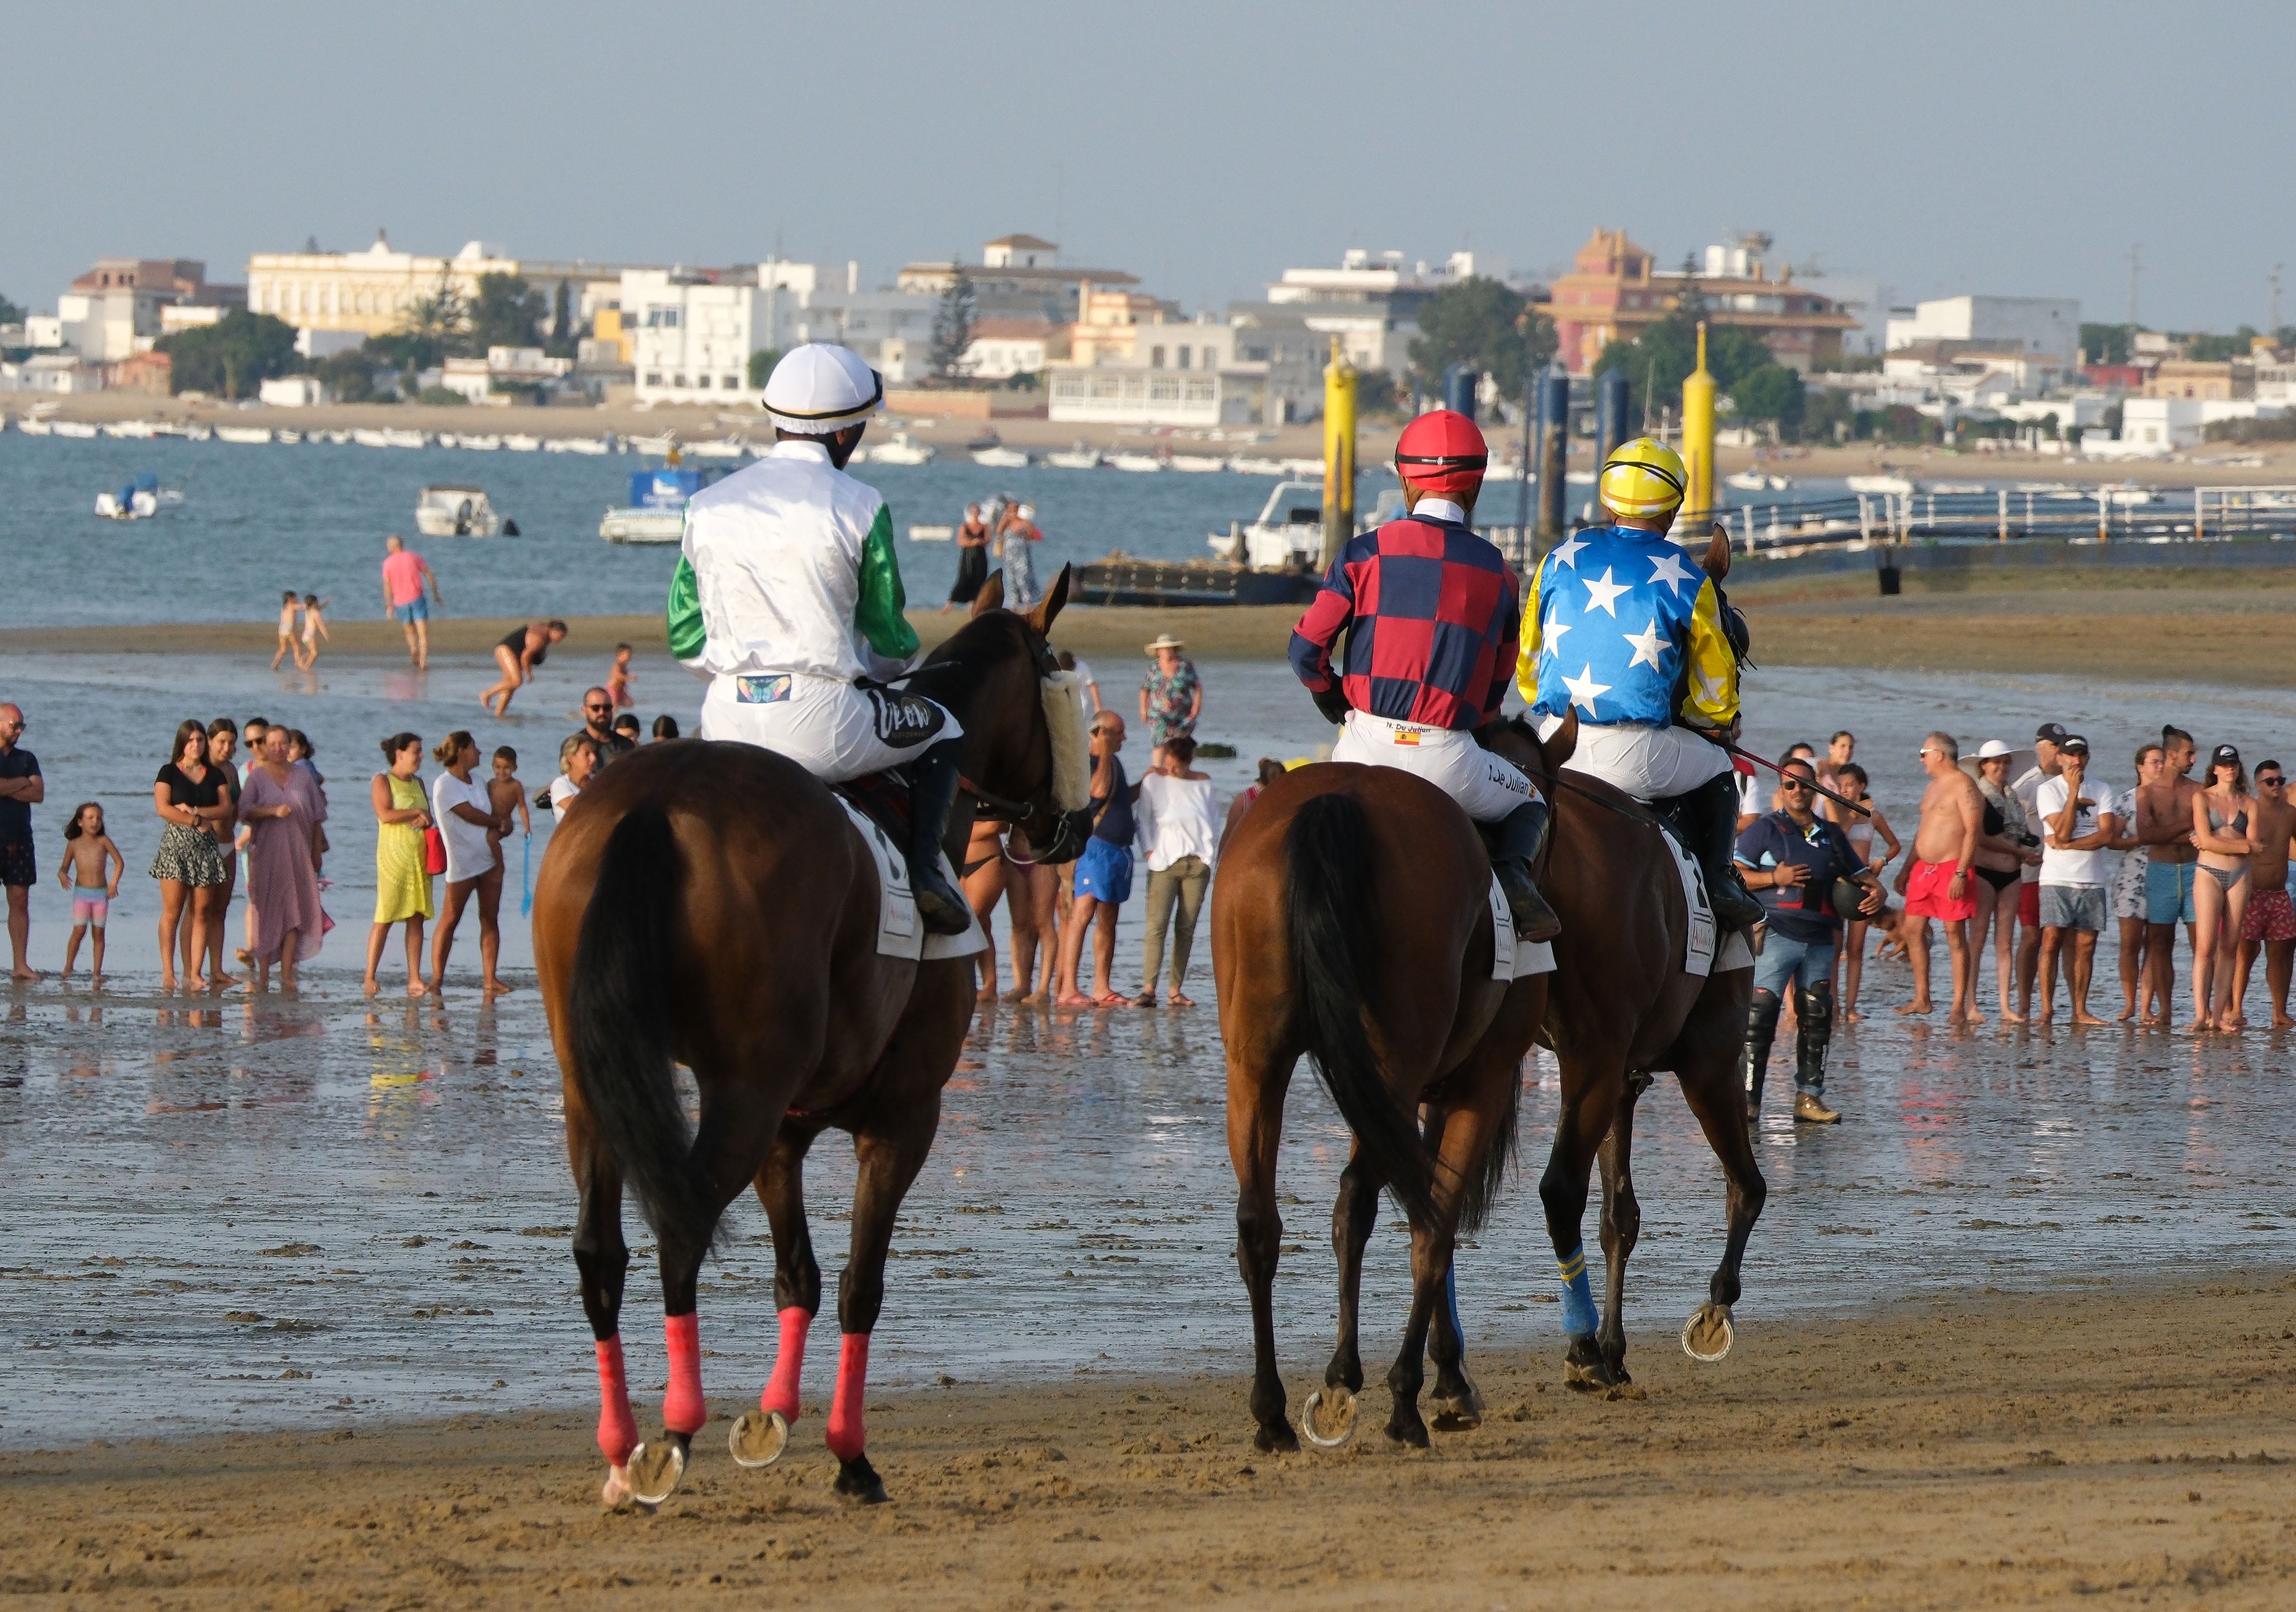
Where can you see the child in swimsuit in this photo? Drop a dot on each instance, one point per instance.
(87, 851)
(290, 607)
(618, 679)
(505, 794)
(315, 627)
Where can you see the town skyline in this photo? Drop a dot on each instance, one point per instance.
(1200, 156)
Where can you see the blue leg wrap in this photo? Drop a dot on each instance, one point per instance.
(1451, 1300)
(1579, 1318)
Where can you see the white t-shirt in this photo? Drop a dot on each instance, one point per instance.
(2027, 789)
(1175, 817)
(468, 854)
(2074, 866)
(1749, 796)
(562, 791)
(1086, 684)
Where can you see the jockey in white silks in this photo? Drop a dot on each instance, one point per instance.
(788, 598)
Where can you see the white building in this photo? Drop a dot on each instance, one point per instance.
(690, 338)
(103, 326)
(2048, 325)
(1868, 301)
(292, 391)
(1108, 394)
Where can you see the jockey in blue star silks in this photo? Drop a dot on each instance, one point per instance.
(1428, 608)
(788, 598)
(1621, 624)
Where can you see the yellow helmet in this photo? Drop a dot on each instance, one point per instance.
(1643, 480)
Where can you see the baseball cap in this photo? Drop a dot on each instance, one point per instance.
(2072, 741)
(2223, 753)
(1992, 748)
(2054, 732)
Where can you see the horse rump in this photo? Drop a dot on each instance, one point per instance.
(619, 1014)
(1327, 904)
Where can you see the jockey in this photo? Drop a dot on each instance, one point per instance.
(788, 598)
(1428, 609)
(1656, 705)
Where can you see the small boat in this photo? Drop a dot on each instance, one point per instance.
(1955, 487)
(1890, 484)
(486, 444)
(903, 449)
(368, 437)
(518, 444)
(341, 439)
(718, 448)
(656, 512)
(590, 448)
(138, 500)
(656, 446)
(33, 425)
(197, 432)
(246, 435)
(1745, 480)
(1198, 463)
(1000, 458)
(1288, 533)
(74, 428)
(459, 510)
(136, 431)
(1137, 462)
(290, 438)
(1308, 470)
(932, 534)
(403, 439)
(448, 439)
(1078, 458)
(1248, 466)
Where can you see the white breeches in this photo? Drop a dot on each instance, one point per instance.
(1488, 787)
(1649, 763)
(829, 728)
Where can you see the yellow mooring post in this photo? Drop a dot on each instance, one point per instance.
(1698, 442)
(1338, 453)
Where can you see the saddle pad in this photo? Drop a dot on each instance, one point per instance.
(1735, 954)
(1511, 959)
(1698, 954)
(901, 932)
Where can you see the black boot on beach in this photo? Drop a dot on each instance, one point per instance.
(1517, 839)
(933, 780)
(1709, 818)
(1813, 1034)
(1761, 1031)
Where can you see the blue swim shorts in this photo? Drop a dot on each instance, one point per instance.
(1104, 872)
(406, 615)
(2168, 892)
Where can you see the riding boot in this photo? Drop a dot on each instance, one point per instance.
(1761, 1029)
(1813, 1008)
(1519, 837)
(933, 779)
(1709, 815)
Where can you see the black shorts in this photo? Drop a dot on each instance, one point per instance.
(18, 864)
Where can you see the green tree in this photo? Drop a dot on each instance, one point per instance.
(434, 326)
(10, 314)
(350, 375)
(2216, 350)
(233, 357)
(2108, 343)
(952, 326)
(1770, 393)
(562, 339)
(507, 312)
(1476, 321)
(761, 366)
(1658, 360)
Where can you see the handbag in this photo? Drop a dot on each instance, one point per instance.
(434, 849)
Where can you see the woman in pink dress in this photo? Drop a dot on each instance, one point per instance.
(279, 810)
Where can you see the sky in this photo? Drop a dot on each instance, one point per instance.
(2016, 149)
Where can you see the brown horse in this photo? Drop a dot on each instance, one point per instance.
(1352, 922)
(712, 905)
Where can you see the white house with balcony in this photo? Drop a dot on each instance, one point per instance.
(689, 337)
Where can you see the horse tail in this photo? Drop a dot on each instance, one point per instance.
(619, 1014)
(1327, 907)
(1483, 1193)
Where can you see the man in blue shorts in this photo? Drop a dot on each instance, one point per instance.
(2164, 827)
(404, 573)
(1103, 874)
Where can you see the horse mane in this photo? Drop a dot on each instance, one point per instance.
(957, 665)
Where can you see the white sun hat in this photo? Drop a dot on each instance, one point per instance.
(1992, 748)
(821, 387)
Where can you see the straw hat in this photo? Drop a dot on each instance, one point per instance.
(1165, 640)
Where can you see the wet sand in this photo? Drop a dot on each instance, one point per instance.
(2119, 1448)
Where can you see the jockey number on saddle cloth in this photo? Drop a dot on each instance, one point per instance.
(1620, 624)
(788, 598)
(1430, 611)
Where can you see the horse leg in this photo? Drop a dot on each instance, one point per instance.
(888, 1157)
(1709, 1085)
(1622, 1225)
(1590, 1102)
(1256, 1088)
(1431, 1266)
(602, 1259)
(759, 1437)
(1329, 1416)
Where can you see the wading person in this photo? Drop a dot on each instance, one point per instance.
(21, 788)
(1656, 684)
(463, 809)
(279, 810)
(1179, 831)
(1015, 531)
(1939, 878)
(971, 560)
(2077, 829)
(788, 597)
(600, 727)
(2164, 827)
(188, 797)
(1428, 609)
(1171, 697)
(223, 749)
(405, 576)
(2027, 789)
(91, 870)
(1794, 860)
(402, 878)
(521, 650)
(2129, 888)
(2221, 817)
(2269, 925)
(1103, 874)
(1999, 866)
(1860, 829)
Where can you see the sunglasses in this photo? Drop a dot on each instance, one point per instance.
(1789, 783)
(2273, 782)
(598, 707)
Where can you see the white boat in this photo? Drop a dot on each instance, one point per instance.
(1955, 487)
(1248, 466)
(591, 446)
(1135, 462)
(459, 510)
(932, 534)
(1078, 458)
(246, 435)
(718, 448)
(1289, 532)
(341, 439)
(1890, 484)
(138, 500)
(1745, 480)
(655, 445)
(137, 430)
(448, 439)
(197, 432)
(1198, 463)
(1000, 458)
(903, 449)
(486, 444)
(520, 444)
(368, 437)
(290, 438)
(403, 439)
(74, 428)
(642, 526)
(32, 425)
(656, 510)
(1311, 469)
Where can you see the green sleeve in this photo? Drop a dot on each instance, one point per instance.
(686, 633)
(881, 615)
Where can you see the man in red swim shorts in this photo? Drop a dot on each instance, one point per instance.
(2269, 925)
(1938, 880)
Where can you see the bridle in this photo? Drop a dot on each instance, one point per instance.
(1024, 816)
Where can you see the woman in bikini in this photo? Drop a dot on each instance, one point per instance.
(983, 879)
(521, 650)
(2001, 853)
(2221, 815)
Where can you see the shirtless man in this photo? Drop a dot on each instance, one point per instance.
(2164, 827)
(1937, 879)
(2269, 925)
(2027, 789)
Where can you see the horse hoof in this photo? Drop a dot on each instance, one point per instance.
(654, 1470)
(1328, 1419)
(758, 1441)
(1411, 1434)
(1460, 1414)
(1277, 1440)
(1594, 1377)
(1707, 1335)
(857, 1480)
(616, 1495)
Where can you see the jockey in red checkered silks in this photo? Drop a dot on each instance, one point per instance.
(1431, 616)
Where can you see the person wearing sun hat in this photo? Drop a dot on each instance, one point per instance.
(1171, 695)
(788, 597)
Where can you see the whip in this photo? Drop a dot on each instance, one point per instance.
(1861, 809)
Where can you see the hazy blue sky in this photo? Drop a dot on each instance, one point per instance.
(1945, 147)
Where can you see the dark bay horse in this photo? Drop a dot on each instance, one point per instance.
(712, 905)
(1352, 923)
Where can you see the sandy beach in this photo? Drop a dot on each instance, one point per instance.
(1992, 1449)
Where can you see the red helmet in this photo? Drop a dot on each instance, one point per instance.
(1442, 452)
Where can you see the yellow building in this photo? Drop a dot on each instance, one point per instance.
(373, 292)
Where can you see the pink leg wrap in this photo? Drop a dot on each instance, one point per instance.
(617, 1430)
(788, 1365)
(844, 1435)
(682, 1410)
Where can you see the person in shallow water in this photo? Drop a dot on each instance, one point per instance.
(788, 597)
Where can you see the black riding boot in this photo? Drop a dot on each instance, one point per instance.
(1709, 815)
(933, 778)
(1518, 836)
(1761, 1029)
(1813, 1011)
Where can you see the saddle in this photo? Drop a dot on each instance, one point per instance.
(881, 797)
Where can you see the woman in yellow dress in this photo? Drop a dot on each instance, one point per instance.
(402, 884)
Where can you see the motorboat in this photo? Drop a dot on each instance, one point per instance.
(932, 534)
(518, 444)
(1078, 458)
(1898, 485)
(138, 500)
(366, 436)
(80, 429)
(1137, 462)
(403, 439)
(459, 510)
(1955, 487)
(1198, 463)
(718, 448)
(903, 449)
(36, 425)
(588, 446)
(1309, 469)
(248, 436)
(656, 512)
(290, 438)
(448, 439)
(484, 444)
(1288, 533)
(341, 439)
(1244, 465)
(1000, 457)
(136, 431)
(654, 446)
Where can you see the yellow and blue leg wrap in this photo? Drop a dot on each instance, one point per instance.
(1578, 1318)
